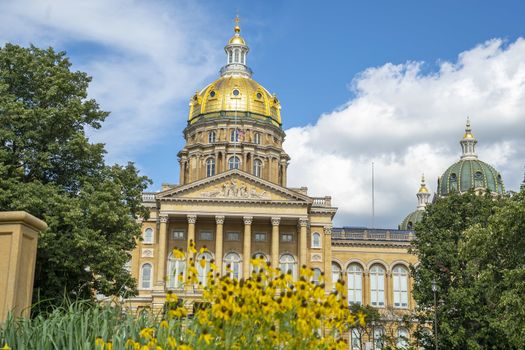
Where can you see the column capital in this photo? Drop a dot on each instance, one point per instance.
(163, 218)
(219, 219)
(328, 229)
(276, 220)
(192, 218)
(247, 220)
(303, 222)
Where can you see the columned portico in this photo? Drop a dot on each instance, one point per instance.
(247, 246)
(275, 241)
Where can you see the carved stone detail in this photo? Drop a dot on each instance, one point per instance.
(147, 253)
(247, 220)
(317, 257)
(276, 221)
(219, 219)
(303, 222)
(192, 218)
(163, 218)
(328, 230)
(236, 189)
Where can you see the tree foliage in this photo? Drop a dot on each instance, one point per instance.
(474, 247)
(49, 168)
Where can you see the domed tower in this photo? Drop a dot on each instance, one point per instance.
(470, 173)
(234, 123)
(423, 197)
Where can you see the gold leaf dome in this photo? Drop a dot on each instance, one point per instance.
(233, 94)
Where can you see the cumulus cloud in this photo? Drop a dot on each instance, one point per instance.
(146, 58)
(408, 121)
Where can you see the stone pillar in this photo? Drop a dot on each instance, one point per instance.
(327, 249)
(224, 162)
(219, 220)
(182, 172)
(389, 295)
(162, 259)
(18, 244)
(284, 173)
(192, 219)
(275, 241)
(303, 248)
(366, 288)
(247, 249)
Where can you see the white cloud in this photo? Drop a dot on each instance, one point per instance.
(146, 59)
(408, 122)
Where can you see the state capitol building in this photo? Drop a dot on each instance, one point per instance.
(233, 199)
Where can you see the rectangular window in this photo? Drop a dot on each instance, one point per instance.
(233, 236)
(260, 237)
(177, 235)
(205, 236)
(287, 237)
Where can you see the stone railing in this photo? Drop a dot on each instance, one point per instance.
(347, 233)
(148, 197)
(322, 202)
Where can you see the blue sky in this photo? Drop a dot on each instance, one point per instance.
(359, 81)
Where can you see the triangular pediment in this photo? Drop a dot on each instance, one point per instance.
(234, 185)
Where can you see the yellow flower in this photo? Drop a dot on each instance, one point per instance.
(172, 297)
(178, 254)
(206, 337)
(146, 333)
(202, 263)
(164, 324)
(109, 345)
(202, 250)
(99, 343)
(6, 347)
(361, 316)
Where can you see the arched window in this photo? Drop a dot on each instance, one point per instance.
(354, 275)
(316, 240)
(243, 57)
(145, 276)
(356, 339)
(229, 57)
(402, 338)
(234, 134)
(176, 272)
(232, 265)
(212, 136)
(210, 167)
(263, 258)
(379, 338)
(203, 268)
(287, 264)
(148, 236)
(236, 56)
(317, 275)
(377, 286)
(453, 182)
(257, 136)
(336, 273)
(234, 162)
(400, 274)
(257, 168)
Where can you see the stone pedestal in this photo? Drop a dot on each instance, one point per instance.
(18, 243)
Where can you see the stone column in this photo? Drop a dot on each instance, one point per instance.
(327, 249)
(182, 172)
(366, 287)
(162, 259)
(389, 294)
(284, 173)
(303, 225)
(275, 241)
(219, 220)
(247, 249)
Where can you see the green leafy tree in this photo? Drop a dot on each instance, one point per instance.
(49, 168)
(465, 309)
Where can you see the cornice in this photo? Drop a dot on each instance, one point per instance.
(363, 243)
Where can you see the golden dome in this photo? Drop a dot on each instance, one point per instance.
(235, 93)
(237, 40)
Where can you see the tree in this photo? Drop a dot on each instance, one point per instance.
(454, 249)
(49, 168)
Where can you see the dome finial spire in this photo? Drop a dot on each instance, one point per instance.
(468, 143)
(237, 28)
(422, 195)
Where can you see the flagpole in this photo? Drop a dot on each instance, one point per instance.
(373, 198)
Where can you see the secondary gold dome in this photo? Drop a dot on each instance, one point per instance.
(235, 93)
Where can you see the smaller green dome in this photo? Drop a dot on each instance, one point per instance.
(411, 220)
(470, 174)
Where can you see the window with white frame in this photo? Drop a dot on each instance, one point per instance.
(212, 137)
(205, 235)
(234, 135)
(257, 167)
(336, 273)
(257, 138)
(203, 262)
(400, 275)
(232, 265)
(377, 286)
(287, 264)
(356, 339)
(177, 235)
(379, 338)
(233, 236)
(287, 237)
(316, 240)
(354, 276)
(234, 163)
(236, 55)
(260, 237)
(316, 276)
(210, 167)
(148, 236)
(176, 272)
(402, 338)
(145, 276)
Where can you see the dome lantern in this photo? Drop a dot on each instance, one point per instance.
(236, 53)
(468, 144)
(423, 195)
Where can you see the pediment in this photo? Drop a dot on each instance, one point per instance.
(233, 185)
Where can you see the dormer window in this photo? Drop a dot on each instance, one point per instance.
(236, 92)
